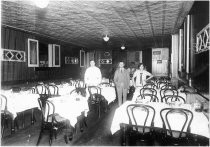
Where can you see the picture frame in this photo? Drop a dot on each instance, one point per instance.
(82, 58)
(33, 53)
(71, 60)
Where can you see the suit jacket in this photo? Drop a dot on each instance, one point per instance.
(122, 79)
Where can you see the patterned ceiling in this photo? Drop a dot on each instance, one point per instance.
(135, 24)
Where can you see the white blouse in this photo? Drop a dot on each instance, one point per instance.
(138, 74)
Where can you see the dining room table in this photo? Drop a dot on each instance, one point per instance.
(199, 125)
(20, 102)
(70, 106)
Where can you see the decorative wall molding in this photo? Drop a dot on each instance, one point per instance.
(105, 61)
(203, 40)
(13, 55)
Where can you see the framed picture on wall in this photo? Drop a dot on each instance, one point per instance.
(33, 53)
(82, 58)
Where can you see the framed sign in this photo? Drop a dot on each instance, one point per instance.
(71, 60)
(82, 58)
(33, 53)
(105, 61)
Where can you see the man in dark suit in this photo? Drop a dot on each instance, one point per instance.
(122, 81)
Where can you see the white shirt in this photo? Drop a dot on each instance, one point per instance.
(93, 76)
(137, 74)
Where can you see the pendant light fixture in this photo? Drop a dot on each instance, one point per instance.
(106, 38)
(122, 47)
(41, 3)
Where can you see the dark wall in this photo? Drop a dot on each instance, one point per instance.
(14, 72)
(121, 55)
(147, 59)
(199, 62)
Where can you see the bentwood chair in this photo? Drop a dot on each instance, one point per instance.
(53, 90)
(161, 83)
(105, 84)
(149, 85)
(168, 86)
(171, 99)
(165, 92)
(80, 83)
(50, 120)
(176, 132)
(96, 99)
(41, 89)
(141, 125)
(148, 91)
(148, 98)
(5, 115)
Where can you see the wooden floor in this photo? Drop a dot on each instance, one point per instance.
(96, 134)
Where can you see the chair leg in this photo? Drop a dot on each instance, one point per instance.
(66, 139)
(23, 119)
(55, 133)
(6, 121)
(99, 110)
(40, 135)
(51, 136)
(85, 123)
(32, 116)
(2, 128)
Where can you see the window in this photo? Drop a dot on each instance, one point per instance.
(56, 55)
(33, 53)
(42, 54)
(82, 58)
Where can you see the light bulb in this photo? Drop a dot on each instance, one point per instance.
(106, 38)
(41, 3)
(123, 47)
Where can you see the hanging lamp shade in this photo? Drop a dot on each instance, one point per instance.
(41, 3)
(122, 47)
(106, 38)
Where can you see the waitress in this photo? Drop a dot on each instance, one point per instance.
(140, 76)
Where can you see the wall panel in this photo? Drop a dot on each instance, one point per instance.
(14, 72)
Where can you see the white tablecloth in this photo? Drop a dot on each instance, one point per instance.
(109, 93)
(199, 123)
(137, 93)
(19, 102)
(68, 107)
(65, 89)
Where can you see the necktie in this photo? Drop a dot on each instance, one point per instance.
(141, 78)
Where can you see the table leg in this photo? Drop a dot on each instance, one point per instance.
(13, 123)
(23, 119)
(32, 117)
